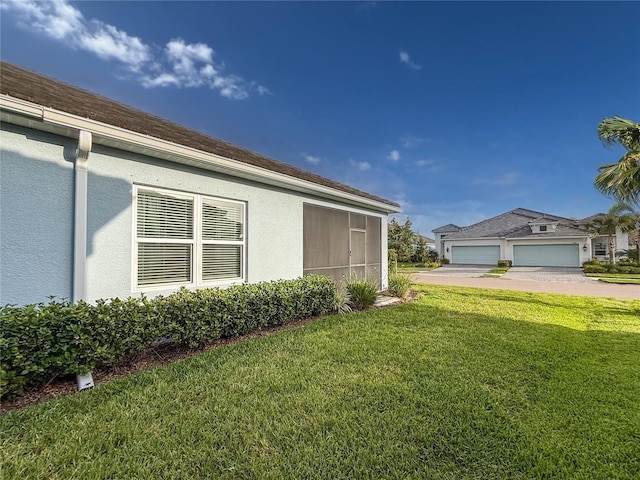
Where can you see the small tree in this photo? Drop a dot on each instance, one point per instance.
(619, 216)
(401, 239)
(422, 251)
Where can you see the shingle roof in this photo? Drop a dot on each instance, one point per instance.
(25, 85)
(449, 227)
(515, 224)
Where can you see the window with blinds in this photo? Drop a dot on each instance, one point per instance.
(187, 239)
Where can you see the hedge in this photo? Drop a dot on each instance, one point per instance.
(623, 266)
(43, 341)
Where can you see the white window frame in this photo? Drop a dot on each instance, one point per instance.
(197, 242)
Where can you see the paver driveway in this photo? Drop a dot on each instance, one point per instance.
(547, 274)
(582, 286)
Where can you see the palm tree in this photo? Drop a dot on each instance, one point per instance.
(619, 216)
(621, 180)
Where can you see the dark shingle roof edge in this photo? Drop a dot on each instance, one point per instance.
(32, 87)
(503, 230)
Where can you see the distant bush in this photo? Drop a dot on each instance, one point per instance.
(444, 261)
(399, 284)
(593, 261)
(594, 269)
(40, 342)
(628, 269)
(505, 263)
(594, 266)
(363, 292)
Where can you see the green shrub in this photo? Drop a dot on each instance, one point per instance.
(363, 292)
(627, 262)
(593, 261)
(444, 261)
(342, 302)
(628, 269)
(608, 268)
(594, 268)
(399, 284)
(505, 263)
(43, 341)
(392, 259)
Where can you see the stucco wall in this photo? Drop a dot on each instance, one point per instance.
(36, 216)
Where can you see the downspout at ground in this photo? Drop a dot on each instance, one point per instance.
(80, 201)
(80, 216)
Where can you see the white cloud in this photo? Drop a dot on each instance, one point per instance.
(311, 159)
(180, 64)
(423, 163)
(362, 166)
(263, 90)
(406, 59)
(394, 155)
(506, 179)
(108, 43)
(412, 142)
(365, 6)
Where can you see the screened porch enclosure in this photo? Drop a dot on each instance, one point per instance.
(341, 244)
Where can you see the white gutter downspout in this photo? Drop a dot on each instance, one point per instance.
(80, 200)
(80, 216)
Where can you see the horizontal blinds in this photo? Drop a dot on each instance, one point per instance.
(162, 215)
(221, 261)
(187, 238)
(162, 263)
(222, 220)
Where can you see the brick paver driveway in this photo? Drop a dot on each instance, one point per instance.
(548, 280)
(547, 274)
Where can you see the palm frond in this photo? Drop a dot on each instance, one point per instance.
(618, 130)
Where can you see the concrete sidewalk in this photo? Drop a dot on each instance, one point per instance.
(589, 289)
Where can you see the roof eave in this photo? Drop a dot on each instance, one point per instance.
(35, 116)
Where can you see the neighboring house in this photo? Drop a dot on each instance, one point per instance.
(526, 237)
(101, 200)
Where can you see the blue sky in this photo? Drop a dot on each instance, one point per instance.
(459, 111)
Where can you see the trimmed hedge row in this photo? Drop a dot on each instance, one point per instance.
(42, 341)
(622, 266)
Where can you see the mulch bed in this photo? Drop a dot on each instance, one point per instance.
(149, 358)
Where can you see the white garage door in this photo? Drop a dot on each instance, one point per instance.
(546, 256)
(481, 255)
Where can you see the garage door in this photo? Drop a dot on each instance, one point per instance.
(481, 255)
(546, 256)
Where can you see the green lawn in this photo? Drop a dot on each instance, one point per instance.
(625, 281)
(623, 278)
(496, 272)
(412, 268)
(461, 384)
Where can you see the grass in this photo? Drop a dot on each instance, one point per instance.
(620, 278)
(624, 281)
(413, 268)
(614, 275)
(461, 384)
(496, 272)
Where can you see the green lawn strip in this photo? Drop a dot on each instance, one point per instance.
(614, 275)
(624, 281)
(412, 268)
(496, 272)
(620, 278)
(461, 384)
